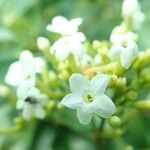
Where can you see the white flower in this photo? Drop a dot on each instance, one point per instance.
(88, 97)
(125, 48)
(69, 44)
(24, 69)
(63, 26)
(31, 101)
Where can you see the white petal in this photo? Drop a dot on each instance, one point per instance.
(72, 101)
(33, 92)
(27, 63)
(84, 115)
(79, 36)
(78, 83)
(130, 7)
(28, 112)
(76, 21)
(39, 112)
(114, 52)
(127, 55)
(61, 49)
(23, 89)
(14, 74)
(39, 64)
(43, 99)
(103, 106)
(56, 23)
(19, 104)
(77, 48)
(99, 83)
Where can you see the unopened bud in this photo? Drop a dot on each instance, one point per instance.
(115, 121)
(52, 76)
(143, 104)
(43, 43)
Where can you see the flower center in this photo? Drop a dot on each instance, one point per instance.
(124, 44)
(89, 97)
(31, 100)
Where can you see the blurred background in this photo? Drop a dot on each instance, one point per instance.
(23, 21)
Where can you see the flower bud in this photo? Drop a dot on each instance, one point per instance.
(63, 75)
(60, 106)
(43, 43)
(52, 76)
(50, 105)
(62, 66)
(115, 121)
(143, 104)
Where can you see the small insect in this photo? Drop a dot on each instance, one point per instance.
(31, 100)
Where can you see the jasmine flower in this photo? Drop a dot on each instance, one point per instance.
(88, 97)
(31, 100)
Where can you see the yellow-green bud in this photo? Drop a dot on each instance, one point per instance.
(143, 104)
(50, 105)
(43, 43)
(52, 76)
(62, 66)
(115, 121)
(131, 95)
(63, 75)
(60, 106)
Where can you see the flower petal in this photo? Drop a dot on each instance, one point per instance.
(99, 83)
(76, 22)
(72, 101)
(55, 26)
(23, 89)
(20, 104)
(126, 56)
(39, 64)
(33, 92)
(78, 82)
(14, 74)
(28, 112)
(114, 52)
(39, 112)
(84, 115)
(103, 106)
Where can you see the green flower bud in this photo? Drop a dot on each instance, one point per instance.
(62, 66)
(43, 44)
(115, 121)
(60, 106)
(51, 105)
(63, 75)
(143, 104)
(52, 76)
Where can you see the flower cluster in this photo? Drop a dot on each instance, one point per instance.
(93, 75)
(22, 74)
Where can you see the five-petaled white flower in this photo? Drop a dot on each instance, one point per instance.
(31, 101)
(63, 26)
(69, 44)
(125, 47)
(88, 97)
(24, 69)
